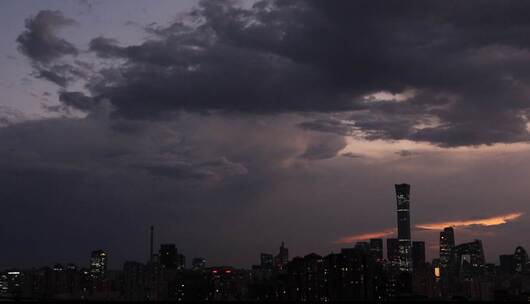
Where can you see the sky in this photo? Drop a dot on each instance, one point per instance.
(232, 126)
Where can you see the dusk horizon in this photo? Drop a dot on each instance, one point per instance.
(232, 126)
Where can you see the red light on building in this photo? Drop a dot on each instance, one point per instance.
(215, 271)
(228, 271)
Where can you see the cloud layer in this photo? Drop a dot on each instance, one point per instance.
(436, 72)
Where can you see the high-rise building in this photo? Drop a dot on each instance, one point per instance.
(447, 244)
(133, 281)
(198, 263)
(168, 256)
(376, 248)
(392, 251)
(403, 219)
(469, 258)
(181, 261)
(418, 254)
(520, 259)
(98, 264)
(267, 261)
(282, 258)
(364, 246)
(507, 263)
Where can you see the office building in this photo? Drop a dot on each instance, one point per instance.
(403, 220)
(98, 264)
(418, 254)
(447, 244)
(168, 256)
(376, 249)
(198, 263)
(392, 251)
(282, 258)
(267, 261)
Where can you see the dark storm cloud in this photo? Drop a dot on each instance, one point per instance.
(45, 49)
(467, 63)
(78, 100)
(40, 41)
(208, 170)
(328, 125)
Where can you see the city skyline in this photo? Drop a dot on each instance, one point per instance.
(360, 271)
(234, 125)
(404, 242)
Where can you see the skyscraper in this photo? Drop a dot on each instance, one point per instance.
(447, 243)
(507, 264)
(168, 256)
(521, 259)
(376, 248)
(267, 261)
(418, 254)
(469, 258)
(98, 264)
(392, 251)
(364, 246)
(282, 258)
(403, 218)
(180, 261)
(198, 263)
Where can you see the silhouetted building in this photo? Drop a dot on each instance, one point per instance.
(134, 281)
(392, 251)
(469, 257)
(403, 219)
(418, 254)
(198, 263)
(507, 263)
(364, 246)
(168, 256)
(181, 261)
(267, 261)
(282, 258)
(520, 259)
(447, 243)
(376, 249)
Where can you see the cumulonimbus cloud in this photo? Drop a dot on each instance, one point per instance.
(249, 60)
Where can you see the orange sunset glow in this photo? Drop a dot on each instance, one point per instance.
(490, 221)
(365, 236)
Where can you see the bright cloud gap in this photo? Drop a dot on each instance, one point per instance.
(437, 226)
(490, 221)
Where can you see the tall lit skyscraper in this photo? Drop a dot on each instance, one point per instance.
(447, 243)
(403, 217)
(98, 264)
